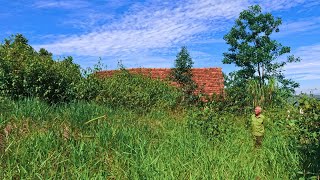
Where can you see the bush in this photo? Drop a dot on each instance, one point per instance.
(307, 127)
(137, 92)
(211, 124)
(90, 85)
(89, 88)
(27, 73)
(302, 124)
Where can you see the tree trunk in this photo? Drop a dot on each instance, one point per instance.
(259, 72)
(262, 73)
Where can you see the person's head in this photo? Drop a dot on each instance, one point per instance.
(257, 110)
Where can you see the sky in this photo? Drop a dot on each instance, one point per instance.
(150, 33)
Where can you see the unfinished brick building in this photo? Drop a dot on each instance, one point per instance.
(209, 80)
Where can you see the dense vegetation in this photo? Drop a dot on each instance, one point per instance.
(27, 73)
(58, 121)
(60, 141)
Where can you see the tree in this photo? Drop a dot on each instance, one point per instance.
(253, 50)
(182, 73)
(25, 72)
(44, 53)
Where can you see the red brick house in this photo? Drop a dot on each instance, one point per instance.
(210, 80)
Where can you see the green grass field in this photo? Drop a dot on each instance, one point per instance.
(60, 142)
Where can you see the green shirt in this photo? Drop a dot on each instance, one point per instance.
(257, 125)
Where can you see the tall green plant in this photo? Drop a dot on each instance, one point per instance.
(265, 95)
(182, 74)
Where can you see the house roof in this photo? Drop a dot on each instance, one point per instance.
(209, 80)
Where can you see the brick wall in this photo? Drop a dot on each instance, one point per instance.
(210, 80)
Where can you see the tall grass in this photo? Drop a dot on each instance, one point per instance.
(55, 142)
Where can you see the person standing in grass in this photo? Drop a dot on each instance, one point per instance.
(257, 124)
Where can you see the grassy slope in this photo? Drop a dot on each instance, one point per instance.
(48, 142)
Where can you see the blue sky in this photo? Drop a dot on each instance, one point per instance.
(150, 33)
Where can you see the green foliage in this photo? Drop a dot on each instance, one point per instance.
(211, 123)
(300, 123)
(89, 88)
(242, 97)
(137, 92)
(268, 95)
(307, 126)
(90, 85)
(6, 105)
(27, 73)
(254, 52)
(182, 75)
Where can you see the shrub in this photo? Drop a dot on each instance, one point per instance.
(307, 125)
(210, 123)
(137, 92)
(89, 88)
(27, 73)
(90, 85)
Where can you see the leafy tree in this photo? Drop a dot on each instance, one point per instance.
(25, 72)
(182, 74)
(43, 52)
(253, 50)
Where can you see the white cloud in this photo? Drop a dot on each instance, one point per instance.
(314, 91)
(147, 61)
(272, 5)
(209, 41)
(309, 67)
(298, 26)
(152, 27)
(87, 20)
(156, 26)
(312, 3)
(65, 4)
(147, 28)
(204, 59)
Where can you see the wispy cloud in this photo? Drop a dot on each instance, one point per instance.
(279, 4)
(4, 14)
(210, 41)
(152, 61)
(204, 59)
(312, 3)
(309, 67)
(155, 25)
(65, 4)
(87, 20)
(300, 25)
(158, 26)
